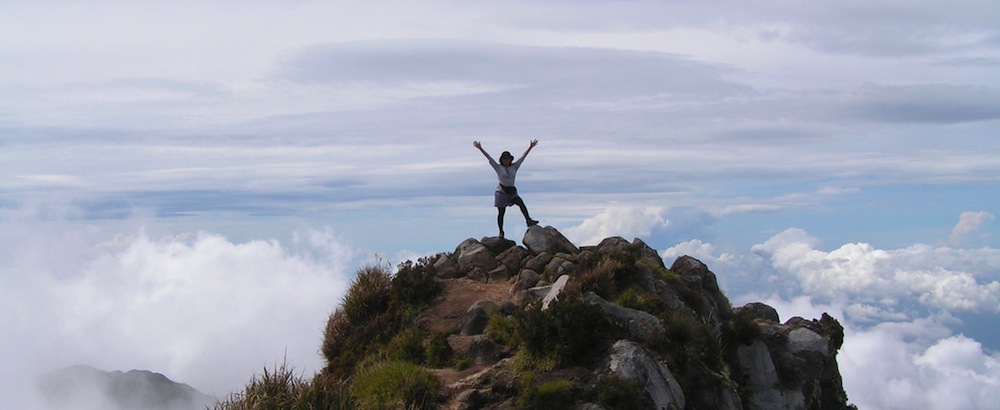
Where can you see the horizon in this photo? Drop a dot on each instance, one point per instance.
(205, 179)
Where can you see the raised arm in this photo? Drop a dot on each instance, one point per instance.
(530, 146)
(480, 148)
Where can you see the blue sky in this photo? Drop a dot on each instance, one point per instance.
(820, 157)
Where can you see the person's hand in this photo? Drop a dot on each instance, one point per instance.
(477, 144)
(533, 143)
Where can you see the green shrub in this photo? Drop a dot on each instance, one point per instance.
(551, 395)
(276, 389)
(377, 307)
(563, 334)
(741, 328)
(368, 295)
(501, 328)
(600, 279)
(394, 384)
(636, 298)
(617, 393)
(414, 284)
(833, 329)
(407, 346)
(438, 352)
(692, 337)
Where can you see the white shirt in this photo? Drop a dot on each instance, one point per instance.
(505, 174)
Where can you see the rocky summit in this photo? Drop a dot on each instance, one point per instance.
(548, 324)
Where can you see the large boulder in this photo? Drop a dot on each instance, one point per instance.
(538, 239)
(638, 324)
(497, 244)
(632, 362)
(555, 290)
(473, 254)
(475, 318)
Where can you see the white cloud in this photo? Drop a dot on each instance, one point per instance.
(970, 223)
(624, 221)
(884, 368)
(937, 277)
(199, 308)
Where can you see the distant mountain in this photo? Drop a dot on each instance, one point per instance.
(84, 387)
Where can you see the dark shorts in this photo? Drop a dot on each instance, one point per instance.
(502, 198)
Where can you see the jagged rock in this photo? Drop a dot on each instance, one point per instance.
(538, 262)
(781, 366)
(760, 379)
(473, 254)
(531, 294)
(648, 253)
(475, 318)
(632, 362)
(478, 274)
(555, 290)
(483, 350)
(694, 273)
(446, 268)
(513, 258)
(525, 280)
(612, 244)
(762, 311)
(499, 274)
(559, 266)
(804, 340)
(547, 239)
(640, 325)
(688, 266)
(496, 244)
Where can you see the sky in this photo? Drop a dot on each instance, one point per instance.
(188, 187)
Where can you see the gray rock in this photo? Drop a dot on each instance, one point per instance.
(805, 340)
(646, 252)
(484, 351)
(639, 325)
(559, 266)
(762, 311)
(547, 239)
(475, 318)
(446, 268)
(554, 291)
(496, 244)
(538, 262)
(632, 362)
(472, 254)
(499, 274)
(525, 280)
(513, 258)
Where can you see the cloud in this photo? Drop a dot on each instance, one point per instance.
(936, 277)
(970, 223)
(624, 221)
(197, 307)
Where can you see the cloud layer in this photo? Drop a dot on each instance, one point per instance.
(198, 308)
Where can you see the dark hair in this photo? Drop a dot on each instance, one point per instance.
(506, 154)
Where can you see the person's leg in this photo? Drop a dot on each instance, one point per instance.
(500, 213)
(524, 210)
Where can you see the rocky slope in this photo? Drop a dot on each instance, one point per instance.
(551, 325)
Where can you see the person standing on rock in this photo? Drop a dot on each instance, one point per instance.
(506, 194)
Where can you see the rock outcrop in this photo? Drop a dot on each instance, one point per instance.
(610, 326)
